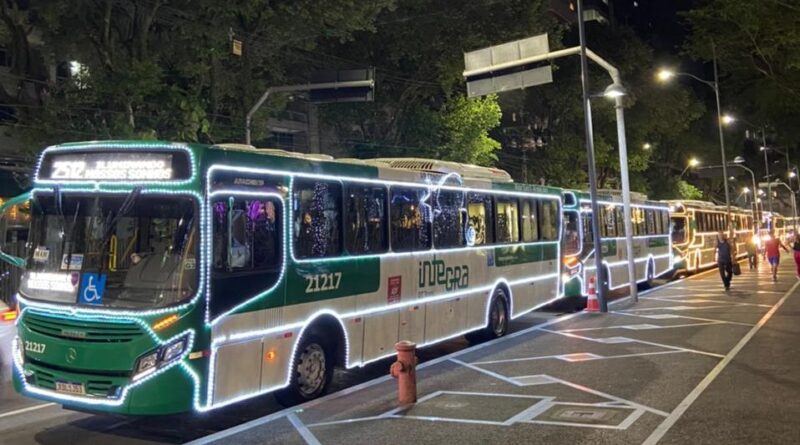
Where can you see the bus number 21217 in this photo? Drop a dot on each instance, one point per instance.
(323, 282)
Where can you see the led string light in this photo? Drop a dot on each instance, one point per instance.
(19, 360)
(132, 147)
(303, 325)
(117, 312)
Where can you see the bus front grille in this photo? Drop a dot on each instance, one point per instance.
(81, 330)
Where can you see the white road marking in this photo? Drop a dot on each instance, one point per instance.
(308, 436)
(676, 414)
(26, 410)
(560, 357)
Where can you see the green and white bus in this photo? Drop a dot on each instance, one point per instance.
(694, 227)
(652, 249)
(168, 277)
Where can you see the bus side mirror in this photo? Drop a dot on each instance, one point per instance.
(14, 220)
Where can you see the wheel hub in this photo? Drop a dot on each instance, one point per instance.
(311, 370)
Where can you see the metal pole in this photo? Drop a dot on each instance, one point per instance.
(721, 140)
(766, 167)
(587, 115)
(626, 198)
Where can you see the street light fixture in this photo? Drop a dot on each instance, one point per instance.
(647, 146)
(693, 162)
(727, 119)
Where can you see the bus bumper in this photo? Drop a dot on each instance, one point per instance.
(170, 392)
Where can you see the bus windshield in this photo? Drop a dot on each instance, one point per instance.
(678, 230)
(131, 251)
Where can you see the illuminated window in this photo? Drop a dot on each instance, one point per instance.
(365, 219)
(410, 219)
(548, 220)
(448, 224)
(479, 212)
(530, 222)
(317, 216)
(506, 220)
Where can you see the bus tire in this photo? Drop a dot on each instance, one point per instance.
(312, 370)
(497, 319)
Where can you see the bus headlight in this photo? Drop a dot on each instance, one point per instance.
(150, 362)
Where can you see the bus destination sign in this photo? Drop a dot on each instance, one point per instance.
(99, 166)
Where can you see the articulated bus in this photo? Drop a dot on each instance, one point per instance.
(167, 277)
(694, 229)
(651, 240)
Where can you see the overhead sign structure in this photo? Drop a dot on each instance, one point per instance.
(509, 66)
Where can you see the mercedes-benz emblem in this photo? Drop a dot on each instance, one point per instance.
(72, 354)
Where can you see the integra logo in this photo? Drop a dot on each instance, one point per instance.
(436, 273)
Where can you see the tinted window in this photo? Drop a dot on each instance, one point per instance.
(365, 229)
(548, 220)
(317, 219)
(530, 221)
(247, 249)
(448, 219)
(410, 219)
(506, 220)
(479, 212)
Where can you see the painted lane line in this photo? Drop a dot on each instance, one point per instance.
(608, 396)
(636, 340)
(682, 407)
(348, 421)
(487, 372)
(26, 410)
(651, 317)
(307, 435)
(559, 357)
(640, 328)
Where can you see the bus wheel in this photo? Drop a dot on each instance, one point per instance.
(497, 322)
(312, 371)
(649, 276)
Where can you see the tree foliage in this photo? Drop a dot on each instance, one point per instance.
(157, 68)
(759, 59)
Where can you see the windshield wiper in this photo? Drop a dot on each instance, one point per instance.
(124, 208)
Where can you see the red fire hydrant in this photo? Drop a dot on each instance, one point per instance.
(405, 371)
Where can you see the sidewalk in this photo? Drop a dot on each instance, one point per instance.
(687, 364)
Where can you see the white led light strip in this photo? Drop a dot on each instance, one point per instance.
(111, 146)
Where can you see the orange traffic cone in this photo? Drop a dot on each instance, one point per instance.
(592, 303)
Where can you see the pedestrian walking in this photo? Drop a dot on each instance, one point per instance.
(796, 249)
(724, 259)
(772, 248)
(752, 252)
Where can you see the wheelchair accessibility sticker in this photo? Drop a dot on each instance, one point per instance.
(92, 287)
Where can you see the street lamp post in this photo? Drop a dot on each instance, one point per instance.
(766, 171)
(666, 75)
(794, 199)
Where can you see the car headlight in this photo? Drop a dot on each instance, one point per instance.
(160, 357)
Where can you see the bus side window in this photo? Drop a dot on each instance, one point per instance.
(365, 219)
(410, 219)
(506, 219)
(530, 222)
(548, 220)
(479, 214)
(448, 219)
(246, 234)
(317, 218)
(247, 250)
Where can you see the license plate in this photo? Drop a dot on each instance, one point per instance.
(70, 388)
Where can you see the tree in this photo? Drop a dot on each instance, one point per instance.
(419, 107)
(758, 56)
(153, 68)
(653, 114)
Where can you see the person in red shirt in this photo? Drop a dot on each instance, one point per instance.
(772, 248)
